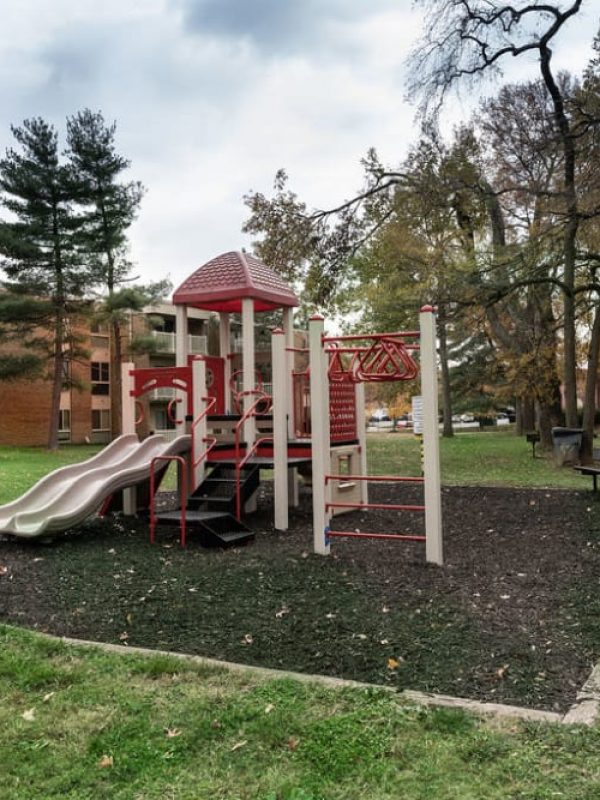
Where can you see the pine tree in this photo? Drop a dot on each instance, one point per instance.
(110, 206)
(41, 248)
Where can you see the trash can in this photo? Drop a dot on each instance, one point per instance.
(566, 444)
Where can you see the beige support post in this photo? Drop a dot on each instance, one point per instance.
(280, 429)
(248, 365)
(181, 358)
(127, 401)
(288, 328)
(361, 431)
(128, 426)
(224, 351)
(320, 444)
(431, 438)
(199, 435)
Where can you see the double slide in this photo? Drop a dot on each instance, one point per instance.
(65, 497)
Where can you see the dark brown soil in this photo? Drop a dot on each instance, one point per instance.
(513, 616)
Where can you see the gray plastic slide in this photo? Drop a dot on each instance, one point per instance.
(65, 497)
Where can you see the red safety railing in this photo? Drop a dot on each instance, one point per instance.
(362, 506)
(210, 440)
(252, 411)
(238, 473)
(182, 495)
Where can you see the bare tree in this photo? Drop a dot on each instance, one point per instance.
(467, 39)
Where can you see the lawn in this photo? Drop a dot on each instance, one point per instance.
(85, 725)
(469, 459)
(494, 458)
(21, 467)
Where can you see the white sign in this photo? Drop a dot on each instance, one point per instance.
(417, 414)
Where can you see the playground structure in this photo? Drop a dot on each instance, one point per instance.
(313, 419)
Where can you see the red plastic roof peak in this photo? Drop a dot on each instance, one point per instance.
(222, 283)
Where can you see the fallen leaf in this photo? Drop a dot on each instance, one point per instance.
(269, 708)
(29, 715)
(172, 733)
(129, 618)
(247, 639)
(124, 636)
(106, 761)
(500, 673)
(3, 569)
(384, 641)
(48, 697)
(238, 745)
(293, 743)
(215, 724)
(393, 663)
(282, 612)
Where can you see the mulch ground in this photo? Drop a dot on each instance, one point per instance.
(513, 616)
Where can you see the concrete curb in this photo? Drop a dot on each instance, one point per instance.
(585, 709)
(583, 712)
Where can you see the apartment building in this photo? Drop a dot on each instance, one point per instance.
(85, 408)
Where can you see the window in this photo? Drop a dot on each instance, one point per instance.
(162, 420)
(64, 424)
(100, 419)
(100, 377)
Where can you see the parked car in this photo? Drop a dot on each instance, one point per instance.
(380, 423)
(404, 421)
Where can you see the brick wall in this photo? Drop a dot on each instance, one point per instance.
(25, 412)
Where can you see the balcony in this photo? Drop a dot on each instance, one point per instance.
(197, 345)
(164, 394)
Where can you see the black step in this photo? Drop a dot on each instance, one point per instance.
(218, 490)
(211, 528)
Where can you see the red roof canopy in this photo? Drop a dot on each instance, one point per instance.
(220, 285)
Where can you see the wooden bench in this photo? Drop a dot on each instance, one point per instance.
(593, 471)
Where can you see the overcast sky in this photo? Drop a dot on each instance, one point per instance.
(211, 97)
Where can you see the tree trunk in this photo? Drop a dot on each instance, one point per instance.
(586, 453)
(569, 238)
(445, 370)
(525, 415)
(57, 383)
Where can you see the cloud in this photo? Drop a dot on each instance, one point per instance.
(277, 26)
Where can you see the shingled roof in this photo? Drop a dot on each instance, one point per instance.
(220, 285)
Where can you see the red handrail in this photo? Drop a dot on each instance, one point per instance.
(239, 463)
(250, 412)
(170, 414)
(210, 402)
(353, 337)
(182, 492)
(238, 470)
(374, 478)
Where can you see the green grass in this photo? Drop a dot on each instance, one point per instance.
(473, 459)
(78, 724)
(482, 459)
(21, 467)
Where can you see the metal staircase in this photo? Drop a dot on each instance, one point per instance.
(210, 509)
